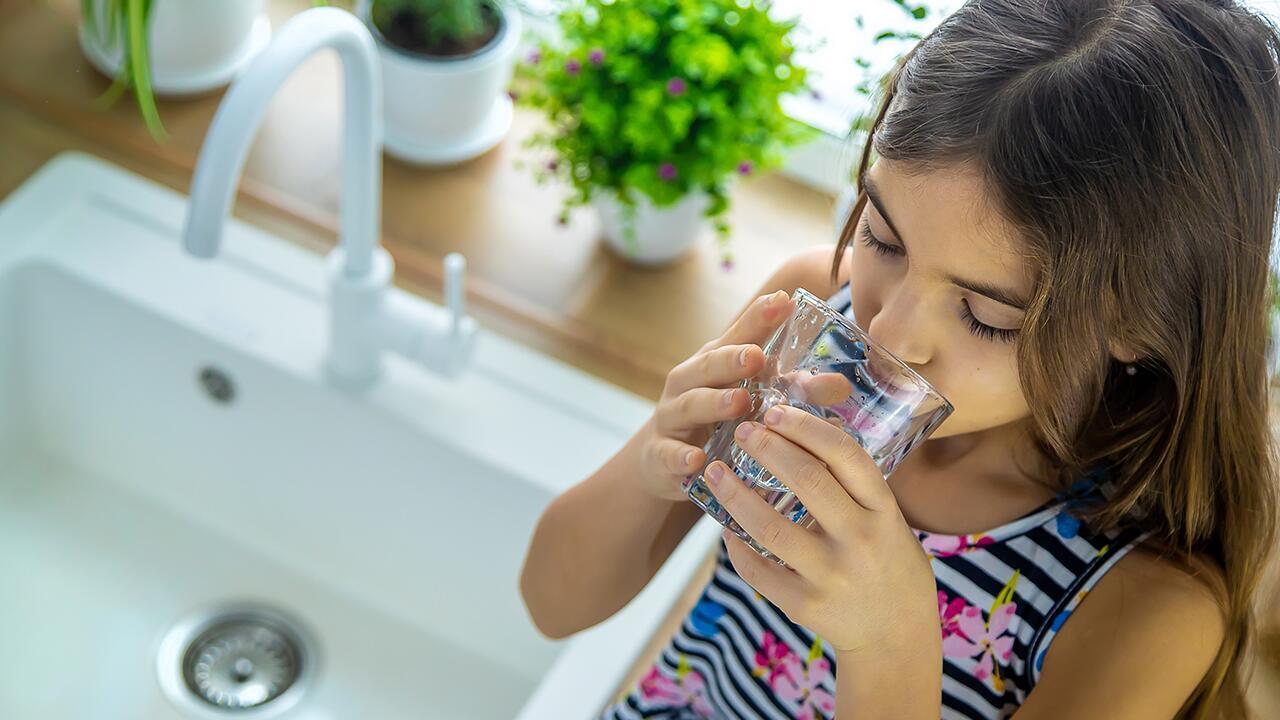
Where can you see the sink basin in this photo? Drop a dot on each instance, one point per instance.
(168, 444)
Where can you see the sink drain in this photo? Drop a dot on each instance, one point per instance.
(250, 662)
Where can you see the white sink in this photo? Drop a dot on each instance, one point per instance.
(391, 524)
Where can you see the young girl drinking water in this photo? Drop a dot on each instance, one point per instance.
(1066, 230)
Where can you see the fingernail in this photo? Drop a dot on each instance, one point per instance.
(774, 416)
(742, 356)
(689, 456)
(728, 398)
(745, 429)
(715, 473)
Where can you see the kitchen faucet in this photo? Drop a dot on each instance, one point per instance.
(367, 315)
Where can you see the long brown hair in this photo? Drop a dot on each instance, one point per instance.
(1135, 145)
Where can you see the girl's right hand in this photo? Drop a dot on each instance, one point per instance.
(702, 391)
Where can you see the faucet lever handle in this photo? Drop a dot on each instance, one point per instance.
(455, 264)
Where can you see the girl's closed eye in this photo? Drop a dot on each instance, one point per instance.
(976, 326)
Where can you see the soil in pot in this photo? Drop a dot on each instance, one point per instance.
(411, 31)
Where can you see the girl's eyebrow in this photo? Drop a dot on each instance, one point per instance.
(999, 294)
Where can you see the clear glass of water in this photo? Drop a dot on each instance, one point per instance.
(822, 363)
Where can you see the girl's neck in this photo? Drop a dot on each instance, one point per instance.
(1006, 454)
(972, 482)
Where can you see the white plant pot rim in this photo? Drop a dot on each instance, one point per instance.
(169, 83)
(491, 53)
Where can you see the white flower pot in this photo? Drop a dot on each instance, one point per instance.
(444, 110)
(662, 234)
(195, 45)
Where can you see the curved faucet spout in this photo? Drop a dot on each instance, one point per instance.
(236, 122)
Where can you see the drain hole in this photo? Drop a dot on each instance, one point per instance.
(236, 660)
(217, 385)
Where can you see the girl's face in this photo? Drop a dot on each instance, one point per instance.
(936, 279)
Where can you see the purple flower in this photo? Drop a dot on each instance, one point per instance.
(553, 165)
(572, 66)
(667, 171)
(744, 167)
(676, 86)
(534, 58)
(727, 263)
(596, 57)
(816, 95)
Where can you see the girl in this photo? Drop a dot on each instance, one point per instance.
(1066, 230)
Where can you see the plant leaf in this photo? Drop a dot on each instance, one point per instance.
(140, 67)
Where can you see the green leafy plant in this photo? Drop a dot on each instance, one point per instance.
(125, 22)
(441, 27)
(661, 97)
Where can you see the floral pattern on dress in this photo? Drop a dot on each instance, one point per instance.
(796, 680)
(688, 689)
(968, 635)
(941, 546)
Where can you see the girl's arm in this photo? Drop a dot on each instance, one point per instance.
(597, 545)
(1135, 648)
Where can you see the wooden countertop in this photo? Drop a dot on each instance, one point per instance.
(556, 289)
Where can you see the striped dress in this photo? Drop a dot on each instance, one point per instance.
(1003, 595)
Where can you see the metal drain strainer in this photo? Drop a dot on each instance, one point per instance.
(242, 661)
(240, 664)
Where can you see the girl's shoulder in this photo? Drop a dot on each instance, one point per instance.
(1163, 620)
(810, 269)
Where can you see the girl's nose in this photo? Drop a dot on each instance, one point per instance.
(900, 326)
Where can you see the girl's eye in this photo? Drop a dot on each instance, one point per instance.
(869, 239)
(980, 329)
(984, 331)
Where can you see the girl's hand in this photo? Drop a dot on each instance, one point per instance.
(859, 577)
(694, 398)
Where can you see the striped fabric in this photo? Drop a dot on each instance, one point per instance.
(1002, 596)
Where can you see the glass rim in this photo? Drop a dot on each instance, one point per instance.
(840, 318)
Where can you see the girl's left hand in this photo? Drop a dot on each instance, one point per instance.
(859, 578)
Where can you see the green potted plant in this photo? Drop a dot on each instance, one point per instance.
(654, 107)
(169, 47)
(446, 65)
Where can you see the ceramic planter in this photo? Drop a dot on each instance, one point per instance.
(195, 45)
(442, 110)
(662, 234)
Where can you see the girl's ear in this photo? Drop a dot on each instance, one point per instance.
(1123, 353)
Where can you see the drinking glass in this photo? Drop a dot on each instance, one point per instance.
(821, 362)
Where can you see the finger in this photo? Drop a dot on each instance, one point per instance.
(679, 458)
(796, 546)
(714, 368)
(784, 588)
(805, 474)
(824, 389)
(848, 462)
(700, 407)
(758, 320)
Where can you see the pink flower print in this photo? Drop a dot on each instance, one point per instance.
(985, 637)
(802, 683)
(771, 658)
(947, 612)
(948, 545)
(687, 689)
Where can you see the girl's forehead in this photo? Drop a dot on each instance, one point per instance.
(948, 217)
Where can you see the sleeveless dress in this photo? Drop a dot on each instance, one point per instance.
(1003, 595)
